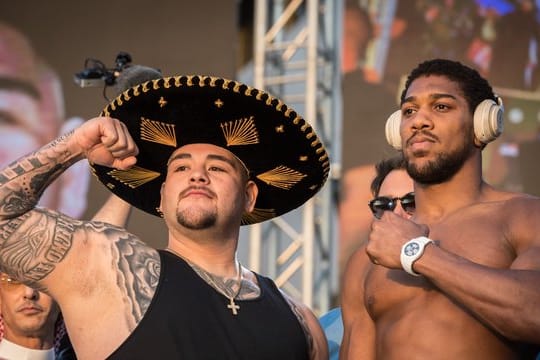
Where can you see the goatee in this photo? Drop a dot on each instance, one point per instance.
(442, 168)
(193, 221)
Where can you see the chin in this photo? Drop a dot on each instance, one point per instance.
(198, 221)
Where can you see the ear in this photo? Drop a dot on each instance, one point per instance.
(160, 209)
(251, 196)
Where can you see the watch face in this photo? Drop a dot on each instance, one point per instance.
(412, 249)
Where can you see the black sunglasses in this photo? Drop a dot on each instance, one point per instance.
(383, 203)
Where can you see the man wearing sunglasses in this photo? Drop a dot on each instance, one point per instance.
(460, 279)
(390, 187)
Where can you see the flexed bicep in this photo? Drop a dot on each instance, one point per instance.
(33, 244)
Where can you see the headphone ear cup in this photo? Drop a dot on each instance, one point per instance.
(393, 124)
(488, 120)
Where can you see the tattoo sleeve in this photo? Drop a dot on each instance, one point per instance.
(296, 310)
(32, 244)
(138, 268)
(23, 181)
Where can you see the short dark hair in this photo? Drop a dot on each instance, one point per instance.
(383, 168)
(474, 87)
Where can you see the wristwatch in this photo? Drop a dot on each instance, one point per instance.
(411, 251)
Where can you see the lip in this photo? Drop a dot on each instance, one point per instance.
(29, 310)
(196, 192)
(420, 142)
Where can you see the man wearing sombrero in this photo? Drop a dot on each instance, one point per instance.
(206, 154)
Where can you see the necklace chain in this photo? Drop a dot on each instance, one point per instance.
(208, 278)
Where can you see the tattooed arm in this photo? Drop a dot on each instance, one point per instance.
(104, 141)
(91, 269)
(318, 346)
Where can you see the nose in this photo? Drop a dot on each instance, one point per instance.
(398, 210)
(421, 120)
(30, 294)
(199, 175)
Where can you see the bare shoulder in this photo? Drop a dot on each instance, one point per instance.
(352, 293)
(117, 262)
(355, 273)
(80, 262)
(518, 209)
(506, 205)
(310, 324)
(519, 215)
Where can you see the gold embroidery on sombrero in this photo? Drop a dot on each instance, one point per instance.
(213, 80)
(158, 132)
(240, 132)
(303, 158)
(279, 105)
(248, 91)
(281, 177)
(258, 215)
(134, 177)
(145, 87)
(225, 84)
(110, 186)
(288, 112)
(162, 102)
(155, 84)
(218, 103)
(126, 95)
(280, 129)
(136, 90)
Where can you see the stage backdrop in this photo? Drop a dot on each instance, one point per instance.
(178, 37)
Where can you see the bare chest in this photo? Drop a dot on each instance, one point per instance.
(479, 236)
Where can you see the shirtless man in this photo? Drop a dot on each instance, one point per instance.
(476, 294)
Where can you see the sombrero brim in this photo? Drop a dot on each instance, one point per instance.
(280, 149)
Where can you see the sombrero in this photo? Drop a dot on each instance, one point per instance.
(283, 154)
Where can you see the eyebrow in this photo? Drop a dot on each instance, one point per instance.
(436, 96)
(208, 157)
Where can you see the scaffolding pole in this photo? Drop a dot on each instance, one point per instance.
(297, 56)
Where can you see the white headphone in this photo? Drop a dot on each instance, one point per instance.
(488, 123)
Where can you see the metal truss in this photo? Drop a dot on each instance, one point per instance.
(296, 58)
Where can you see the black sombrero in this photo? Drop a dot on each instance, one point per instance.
(282, 152)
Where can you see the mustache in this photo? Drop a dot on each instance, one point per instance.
(190, 189)
(30, 304)
(424, 134)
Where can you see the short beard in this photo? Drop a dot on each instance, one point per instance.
(192, 221)
(442, 169)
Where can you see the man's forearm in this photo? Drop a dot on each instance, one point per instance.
(22, 182)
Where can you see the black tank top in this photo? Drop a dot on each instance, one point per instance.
(188, 319)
